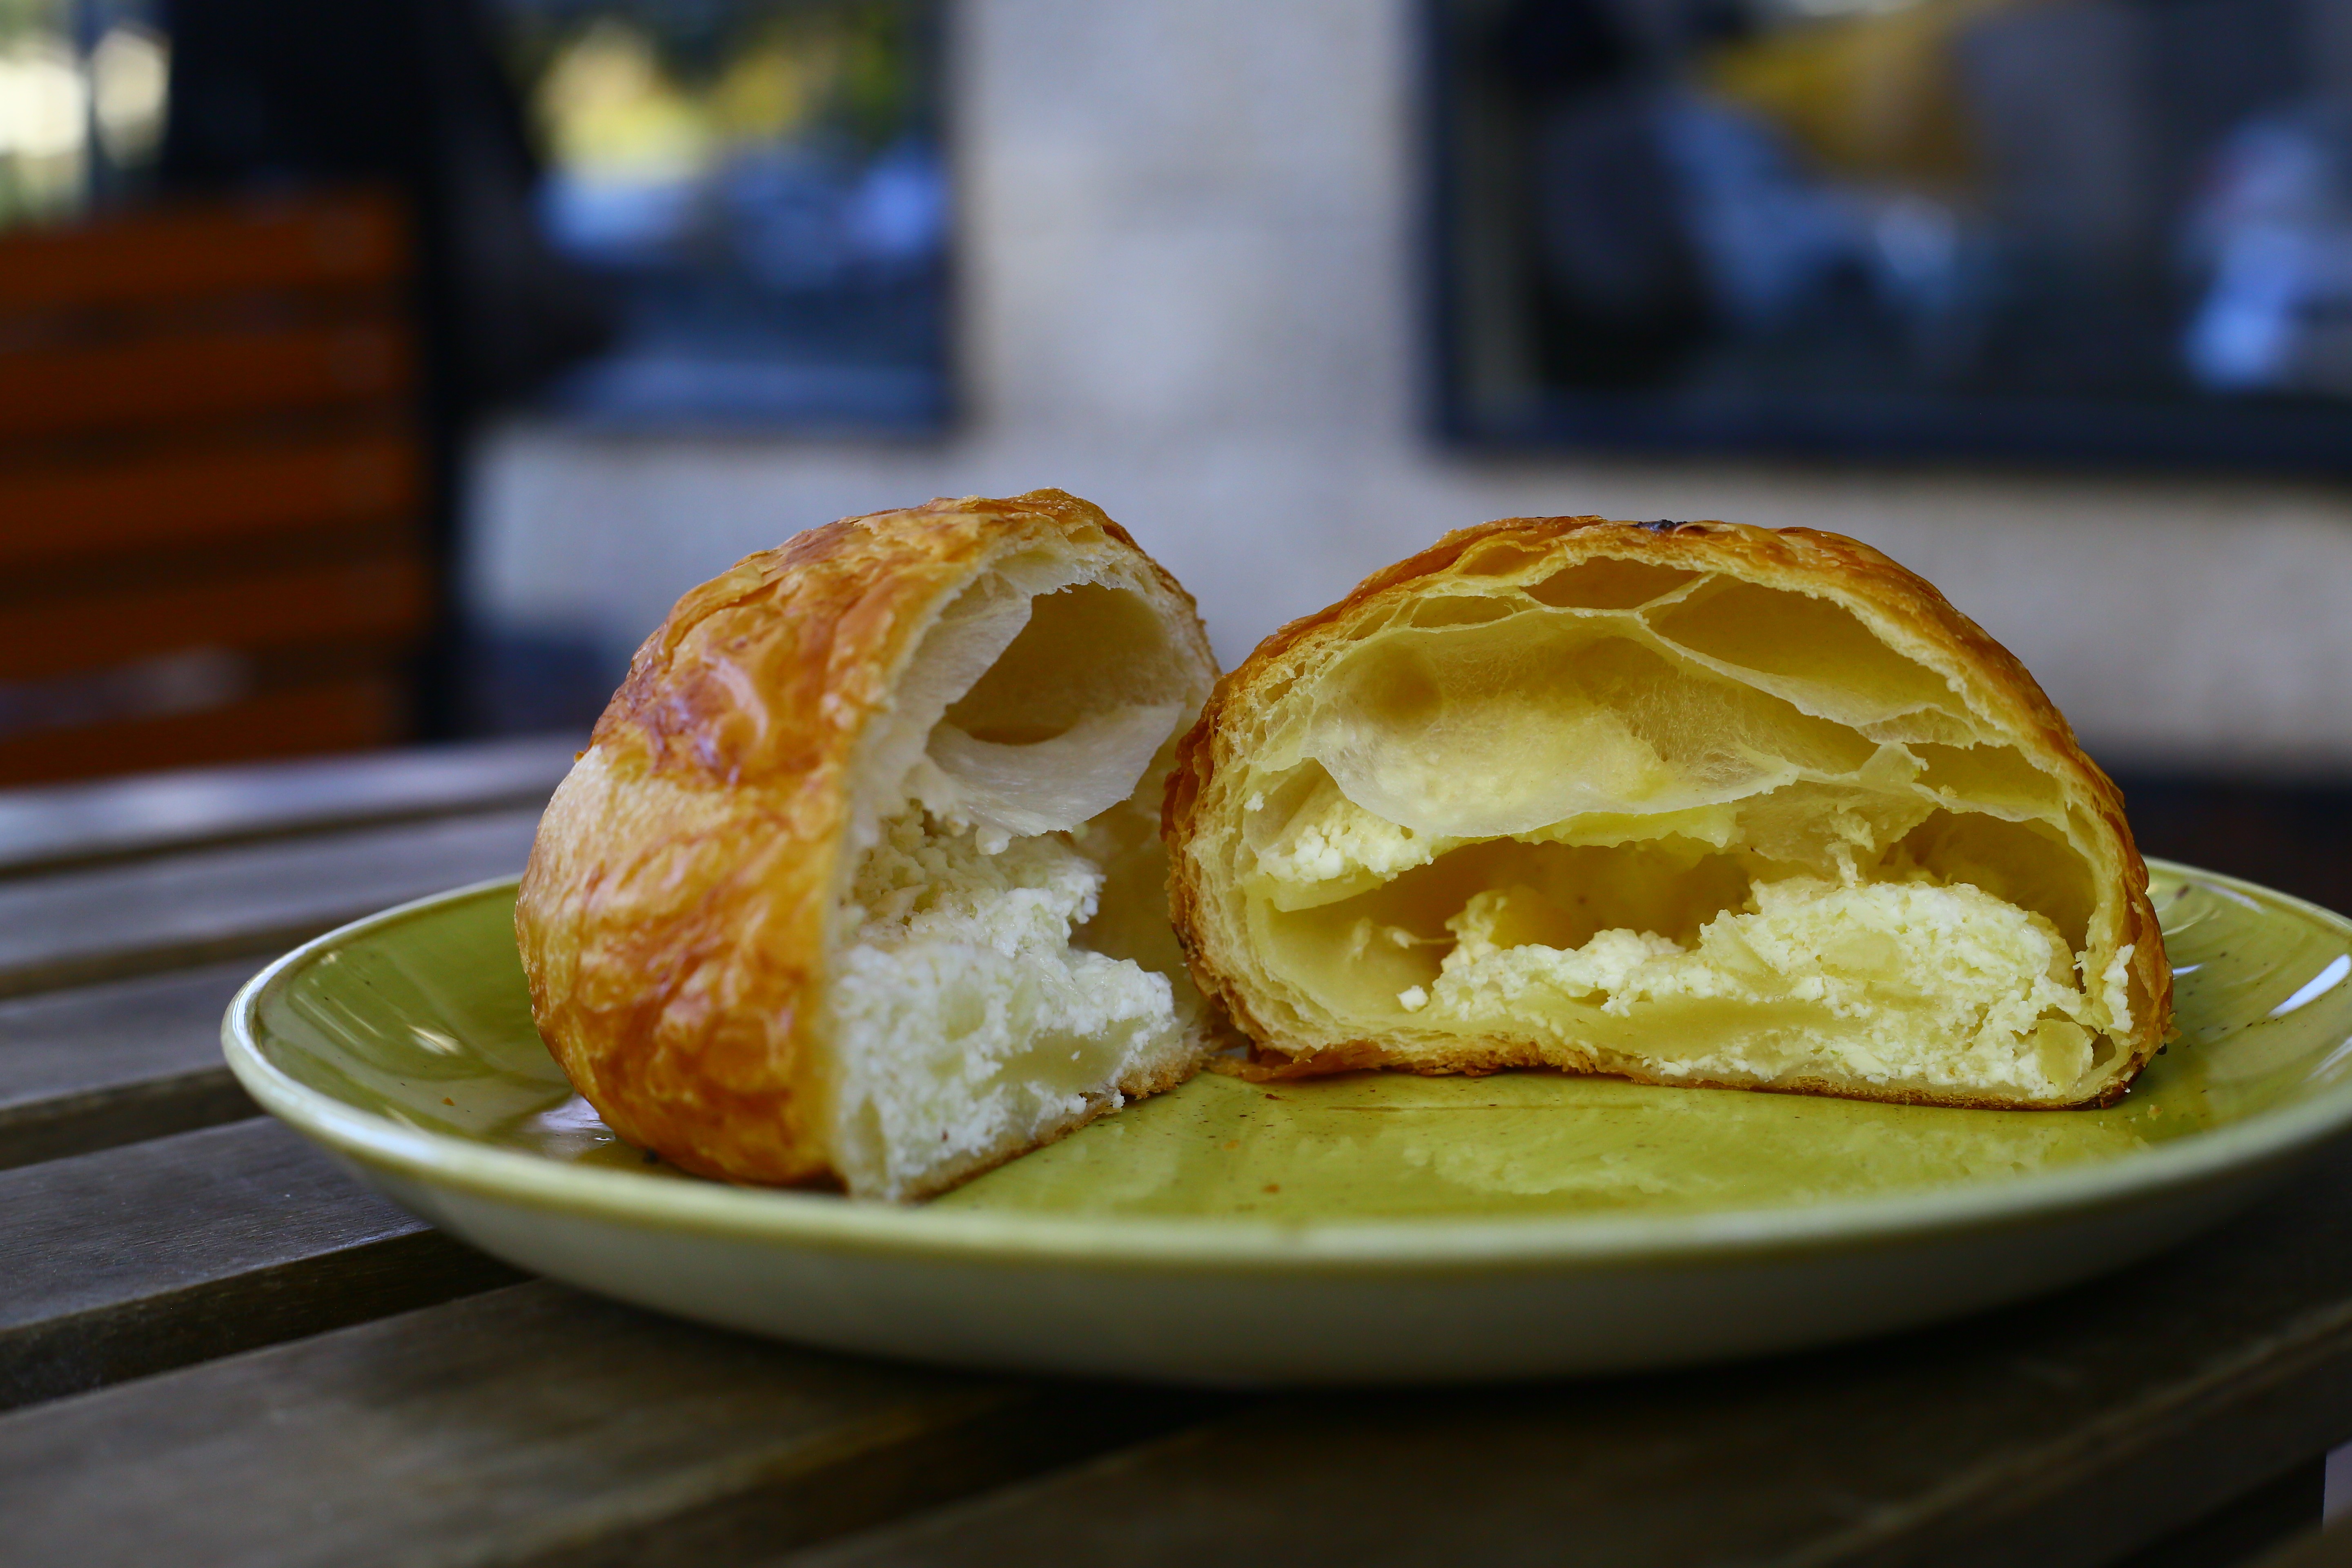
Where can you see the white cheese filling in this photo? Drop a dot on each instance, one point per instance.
(1895, 984)
(964, 1020)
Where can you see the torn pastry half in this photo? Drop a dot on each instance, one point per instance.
(860, 881)
(1686, 803)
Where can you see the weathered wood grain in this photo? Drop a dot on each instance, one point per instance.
(2066, 1432)
(176, 1251)
(529, 1426)
(391, 1406)
(103, 1065)
(137, 917)
(48, 828)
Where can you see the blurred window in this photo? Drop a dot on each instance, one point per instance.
(759, 185)
(82, 92)
(761, 182)
(2108, 229)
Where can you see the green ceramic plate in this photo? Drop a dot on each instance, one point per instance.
(1358, 1228)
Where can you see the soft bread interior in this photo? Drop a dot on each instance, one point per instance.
(1002, 968)
(1629, 818)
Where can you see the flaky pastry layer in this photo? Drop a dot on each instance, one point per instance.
(1686, 803)
(958, 713)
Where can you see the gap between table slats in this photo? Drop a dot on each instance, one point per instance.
(2068, 1431)
(52, 827)
(89, 1061)
(76, 927)
(179, 1249)
(541, 1426)
(103, 1065)
(529, 1426)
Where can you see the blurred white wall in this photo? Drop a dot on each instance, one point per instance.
(1190, 293)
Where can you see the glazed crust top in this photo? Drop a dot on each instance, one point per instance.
(1901, 608)
(676, 917)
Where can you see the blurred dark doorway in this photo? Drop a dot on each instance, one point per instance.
(406, 96)
(628, 214)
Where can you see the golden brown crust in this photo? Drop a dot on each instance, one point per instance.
(1903, 609)
(676, 915)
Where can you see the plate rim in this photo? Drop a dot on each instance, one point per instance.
(1435, 1244)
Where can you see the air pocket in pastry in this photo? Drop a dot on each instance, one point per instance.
(1693, 804)
(859, 881)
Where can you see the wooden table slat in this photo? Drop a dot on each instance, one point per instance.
(2328, 1548)
(44, 827)
(103, 1065)
(213, 1344)
(72, 928)
(2068, 1431)
(179, 1249)
(526, 1425)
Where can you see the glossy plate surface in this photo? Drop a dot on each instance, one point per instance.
(1368, 1228)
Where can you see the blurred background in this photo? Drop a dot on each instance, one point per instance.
(381, 372)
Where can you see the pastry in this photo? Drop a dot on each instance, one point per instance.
(859, 881)
(1685, 802)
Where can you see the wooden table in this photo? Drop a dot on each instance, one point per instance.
(216, 1348)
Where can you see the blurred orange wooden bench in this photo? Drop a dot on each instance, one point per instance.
(211, 487)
